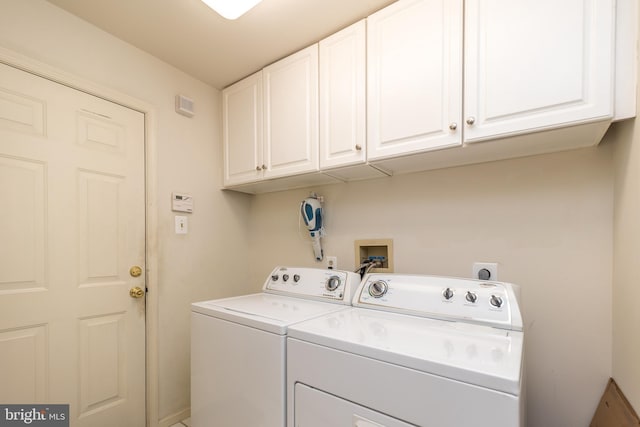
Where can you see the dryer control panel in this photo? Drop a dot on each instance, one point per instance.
(313, 283)
(447, 298)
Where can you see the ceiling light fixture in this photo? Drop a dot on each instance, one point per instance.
(231, 9)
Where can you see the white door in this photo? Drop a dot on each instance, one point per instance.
(242, 130)
(291, 114)
(72, 223)
(342, 97)
(541, 65)
(414, 77)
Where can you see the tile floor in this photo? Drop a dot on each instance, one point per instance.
(183, 423)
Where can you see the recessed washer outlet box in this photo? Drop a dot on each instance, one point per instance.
(485, 271)
(376, 249)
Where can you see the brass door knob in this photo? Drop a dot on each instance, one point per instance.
(135, 271)
(136, 292)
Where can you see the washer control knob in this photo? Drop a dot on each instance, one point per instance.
(274, 277)
(296, 278)
(378, 288)
(332, 283)
(471, 297)
(496, 301)
(447, 293)
(285, 277)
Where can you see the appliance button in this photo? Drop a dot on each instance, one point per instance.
(332, 283)
(447, 293)
(496, 301)
(378, 288)
(471, 297)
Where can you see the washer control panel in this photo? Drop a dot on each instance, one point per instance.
(456, 299)
(313, 283)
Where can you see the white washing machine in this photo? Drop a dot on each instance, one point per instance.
(238, 345)
(413, 351)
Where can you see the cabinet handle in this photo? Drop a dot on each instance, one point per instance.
(258, 168)
(453, 126)
(358, 147)
(264, 167)
(471, 120)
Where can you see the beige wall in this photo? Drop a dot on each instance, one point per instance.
(626, 255)
(203, 264)
(546, 220)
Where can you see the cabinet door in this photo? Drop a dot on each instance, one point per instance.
(414, 80)
(543, 65)
(291, 114)
(342, 97)
(242, 130)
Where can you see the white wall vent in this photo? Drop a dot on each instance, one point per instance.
(184, 106)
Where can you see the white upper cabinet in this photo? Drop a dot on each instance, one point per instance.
(342, 98)
(242, 130)
(291, 114)
(418, 83)
(536, 65)
(414, 77)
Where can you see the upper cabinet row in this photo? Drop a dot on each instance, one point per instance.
(405, 90)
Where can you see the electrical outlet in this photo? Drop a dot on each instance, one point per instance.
(332, 262)
(485, 271)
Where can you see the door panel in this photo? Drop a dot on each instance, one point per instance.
(242, 130)
(342, 97)
(22, 184)
(541, 66)
(315, 408)
(414, 77)
(72, 223)
(24, 364)
(291, 114)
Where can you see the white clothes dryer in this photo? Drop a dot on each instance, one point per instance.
(238, 345)
(412, 351)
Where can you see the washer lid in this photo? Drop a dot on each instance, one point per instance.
(474, 354)
(272, 313)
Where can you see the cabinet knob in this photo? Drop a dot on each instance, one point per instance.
(358, 147)
(258, 168)
(264, 167)
(453, 126)
(471, 120)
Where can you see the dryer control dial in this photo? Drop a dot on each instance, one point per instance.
(332, 283)
(447, 293)
(378, 288)
(472, 297)
(496, 301)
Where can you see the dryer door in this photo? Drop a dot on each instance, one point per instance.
(315, 408)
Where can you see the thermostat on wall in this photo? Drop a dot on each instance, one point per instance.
(181, 203)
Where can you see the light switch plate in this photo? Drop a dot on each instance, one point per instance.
(182, 224)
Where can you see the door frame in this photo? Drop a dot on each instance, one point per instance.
(56, 75)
